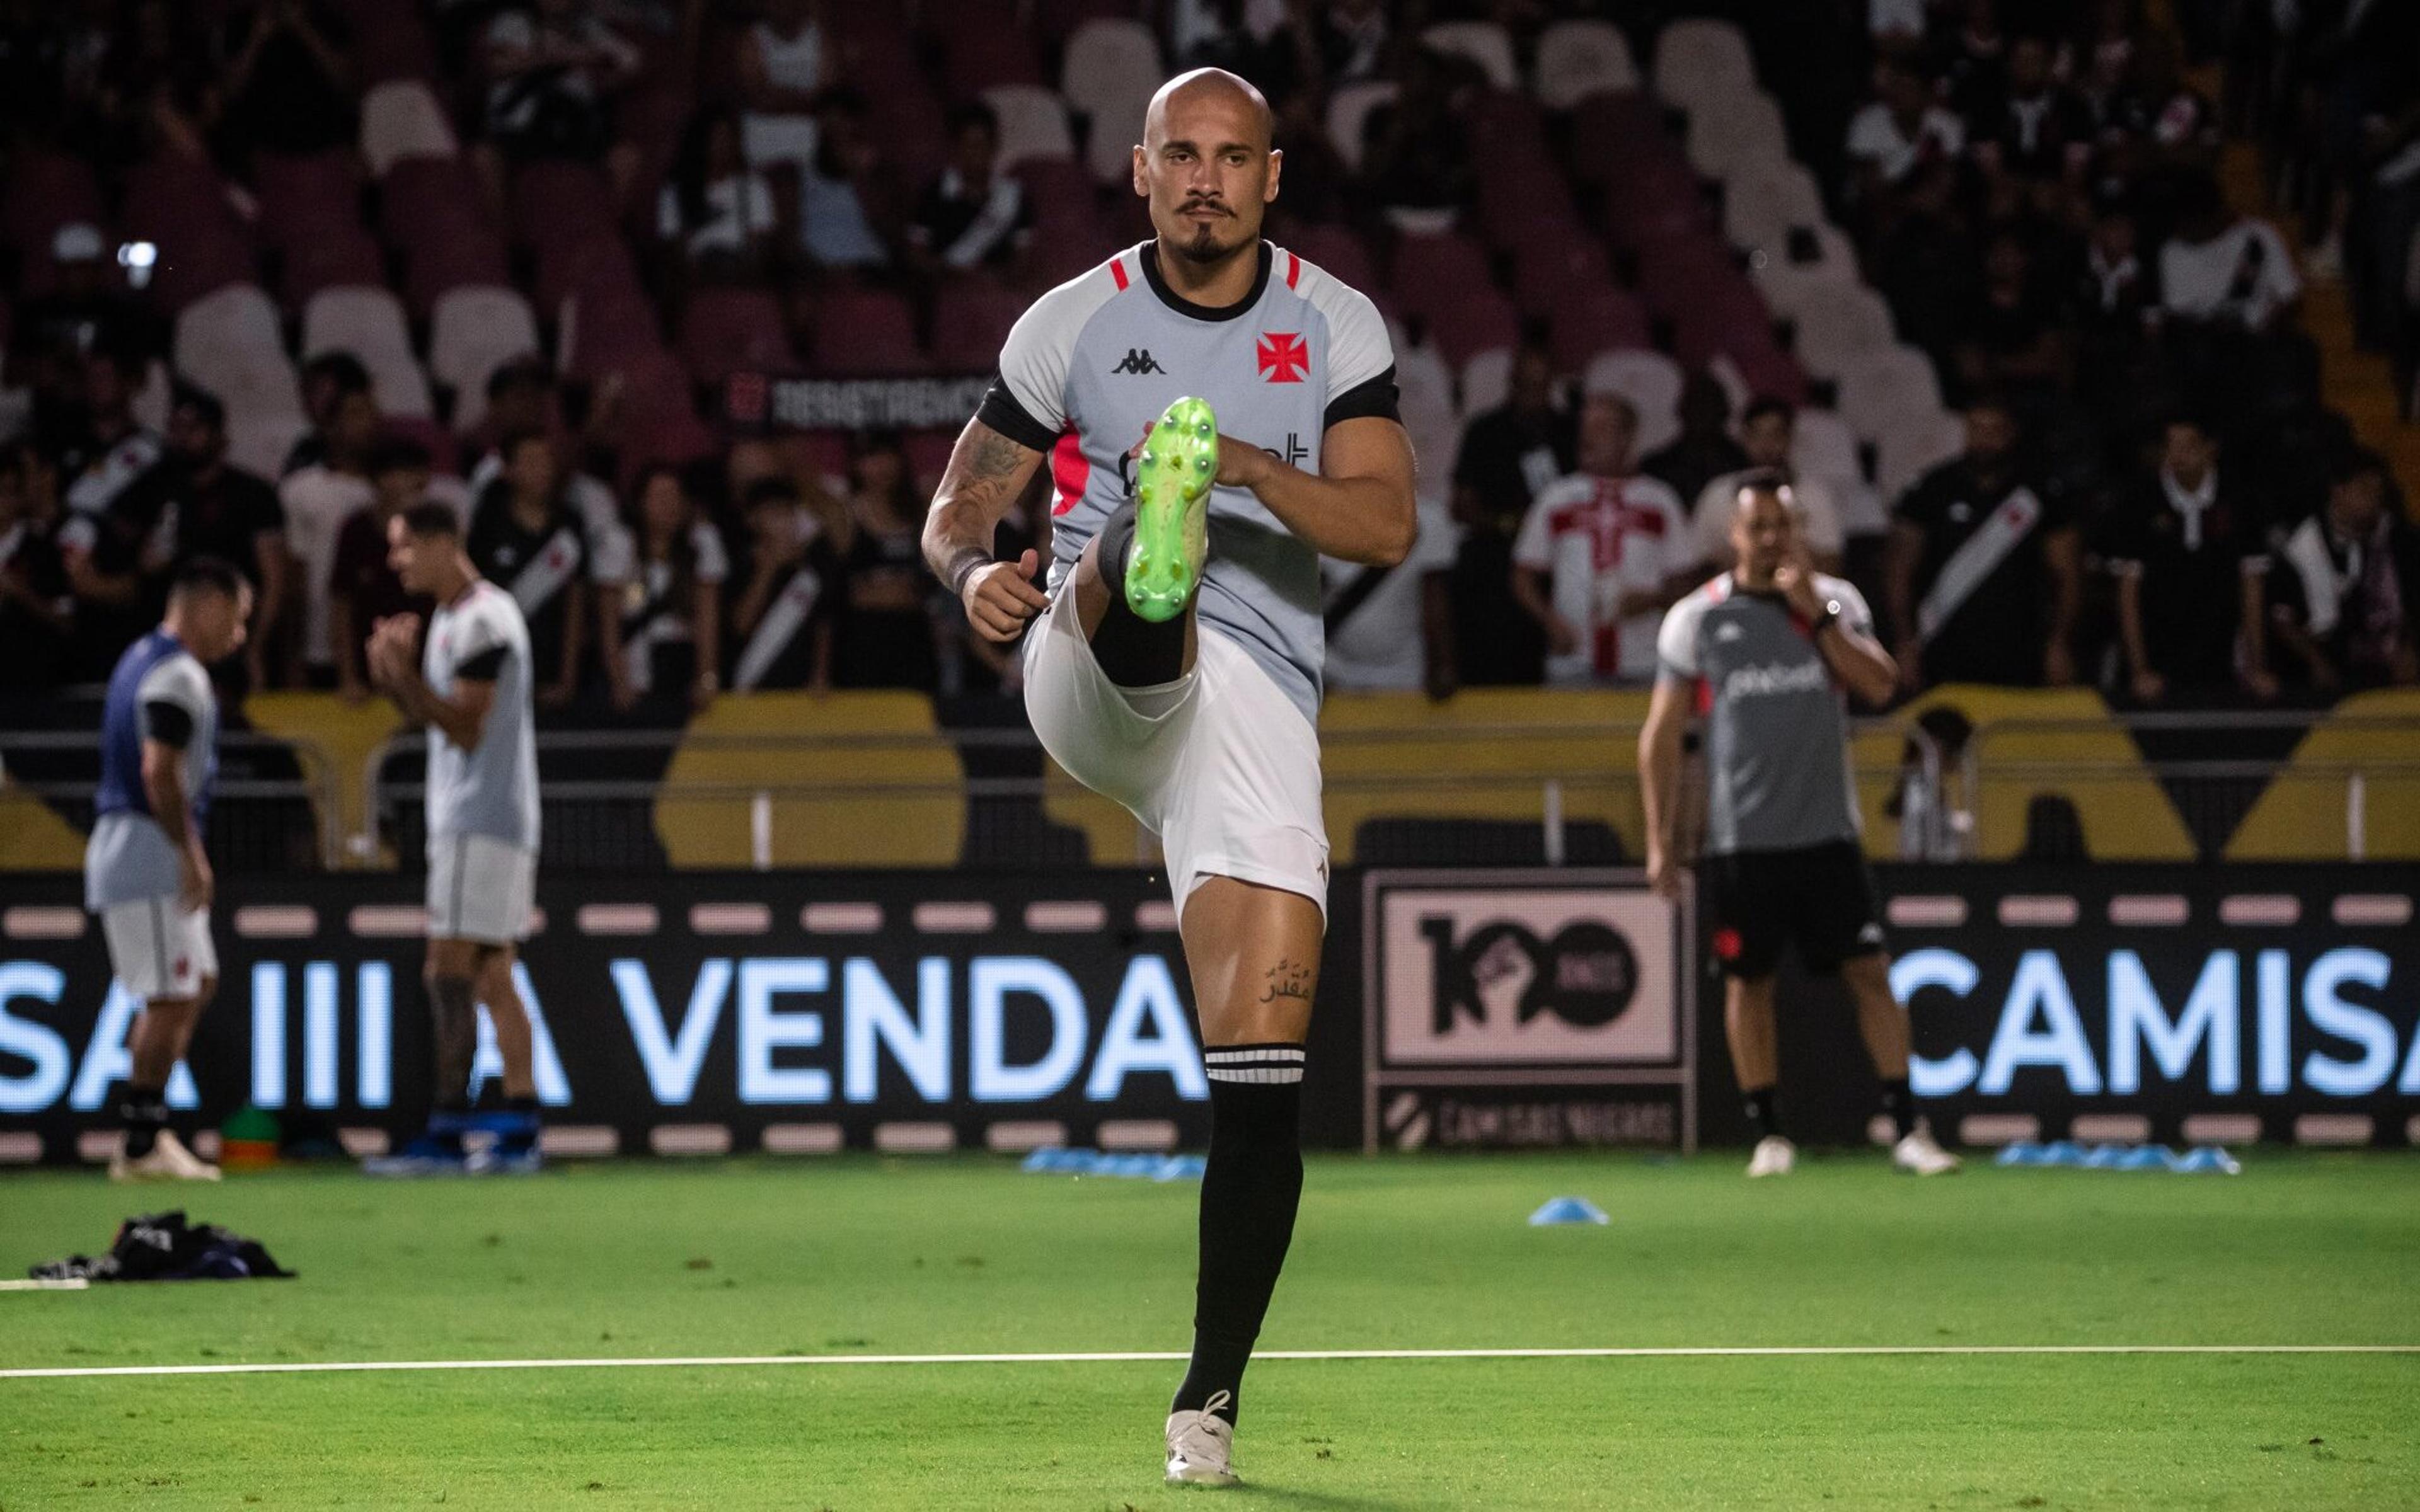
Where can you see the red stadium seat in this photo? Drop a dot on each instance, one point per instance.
(725, 330)
(609, 331)
(971, 321)
(556, 202)
(1591, 319)
(302, 198)
(1337, 251)
(864, 333)
(1431, 272)
(336, 256)
(43, 191)
(591, 266)
(390, 41)
(1480, 319)
(428, 196)
(473, 256)
(1612, 132)
(1547, 267)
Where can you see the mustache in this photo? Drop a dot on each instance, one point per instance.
(1218, 206)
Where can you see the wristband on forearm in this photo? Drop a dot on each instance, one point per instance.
(964, 563)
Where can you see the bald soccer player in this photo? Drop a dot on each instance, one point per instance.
(1174, 663)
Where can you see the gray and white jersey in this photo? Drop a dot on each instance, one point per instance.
(1777, 721)
(491, 789)
(1095, 363)
(129, 858)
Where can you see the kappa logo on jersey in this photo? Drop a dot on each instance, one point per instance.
(1284, 356)
(1138, 360)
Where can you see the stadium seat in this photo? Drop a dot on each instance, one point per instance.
(1549, 268)
(308, 196)
(369, 323)
(1107, 59)
(903, 801)
(558, 202)
(471, 258)
(971, 317)
(596, 266)
(1435, 272)
(401, 120)
(1879, 385)
(1580, 58)
(2303, 814)
(391, 42)
(1650, 381)
(42, 192)
(231, 342)
(608, 331)
(336, 257)
(1486, 379)
(1615, 134)
(1425, 389)
(725, 330)
(1595, 318)
(1116, 126)
(1335, 250)
(472, 332)
(1911, 442)
(181, 206)
(1483, 318)
(864, 333)
(1348, 106)
(1702, 60)
(425, 199)
(1821, 445)
(1762, 206)
(1746, 138)
(1032, 123)
(1836, 333)
(1482, 42)
(977, 53)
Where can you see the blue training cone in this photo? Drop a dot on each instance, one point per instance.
(1568, 1211)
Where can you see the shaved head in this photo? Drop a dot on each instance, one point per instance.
(1207, 165)
(1213, 86)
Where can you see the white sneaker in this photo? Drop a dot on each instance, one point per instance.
(1200, 1446)
(1916, 1151)
(1774, 1156)
(168, 1161)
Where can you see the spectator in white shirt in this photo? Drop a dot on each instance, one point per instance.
(717, 211)
(1902, 130)
(2225, 269)
(318, 500)
(1601, 555)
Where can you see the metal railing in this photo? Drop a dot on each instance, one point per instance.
(253, 819)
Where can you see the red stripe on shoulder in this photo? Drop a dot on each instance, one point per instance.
(1294, 268)
(1117, 271)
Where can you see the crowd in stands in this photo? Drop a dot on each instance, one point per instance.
(273, 270)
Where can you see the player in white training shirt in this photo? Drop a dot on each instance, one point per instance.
(1174, 663)
(471, 689)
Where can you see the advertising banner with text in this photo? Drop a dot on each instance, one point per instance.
(898, 1010)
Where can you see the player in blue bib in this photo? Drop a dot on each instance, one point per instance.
(145, 873)
(1217, 414)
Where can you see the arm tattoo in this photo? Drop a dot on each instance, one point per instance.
(994, 457)
(1288, 979)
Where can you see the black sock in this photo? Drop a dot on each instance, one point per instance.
(454, 1013)
(1133, 651)
(1761, 1116)
(1250, 1187)
(1901, 1104)
(143, 1113)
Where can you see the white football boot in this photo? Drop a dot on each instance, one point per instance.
(1774, 1156)
(168, 1161)
(1201, 1446)
(1916, 1151)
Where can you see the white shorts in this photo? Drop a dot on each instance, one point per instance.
(1225, 770)
(158, 947)
(480, 889)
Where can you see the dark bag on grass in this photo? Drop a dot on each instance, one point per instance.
(162, 1246)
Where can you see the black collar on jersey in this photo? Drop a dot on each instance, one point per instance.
(1149, 257)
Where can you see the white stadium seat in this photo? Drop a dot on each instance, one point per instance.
(1484, 42)
(1763, 205)
(400, 119)
(369, 323)
(1652, 382)
(1746, 137)
(1348, 106)
(1486, 379)
(1821, 445)
(1106, 58)
(230, 343)
(1915, 441)
(474, 331)
(1881, 386)
(1580, 58)
(1837, 334)
(1700, 61)
(1032, 123)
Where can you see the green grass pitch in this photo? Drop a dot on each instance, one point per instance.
(856, 1256)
